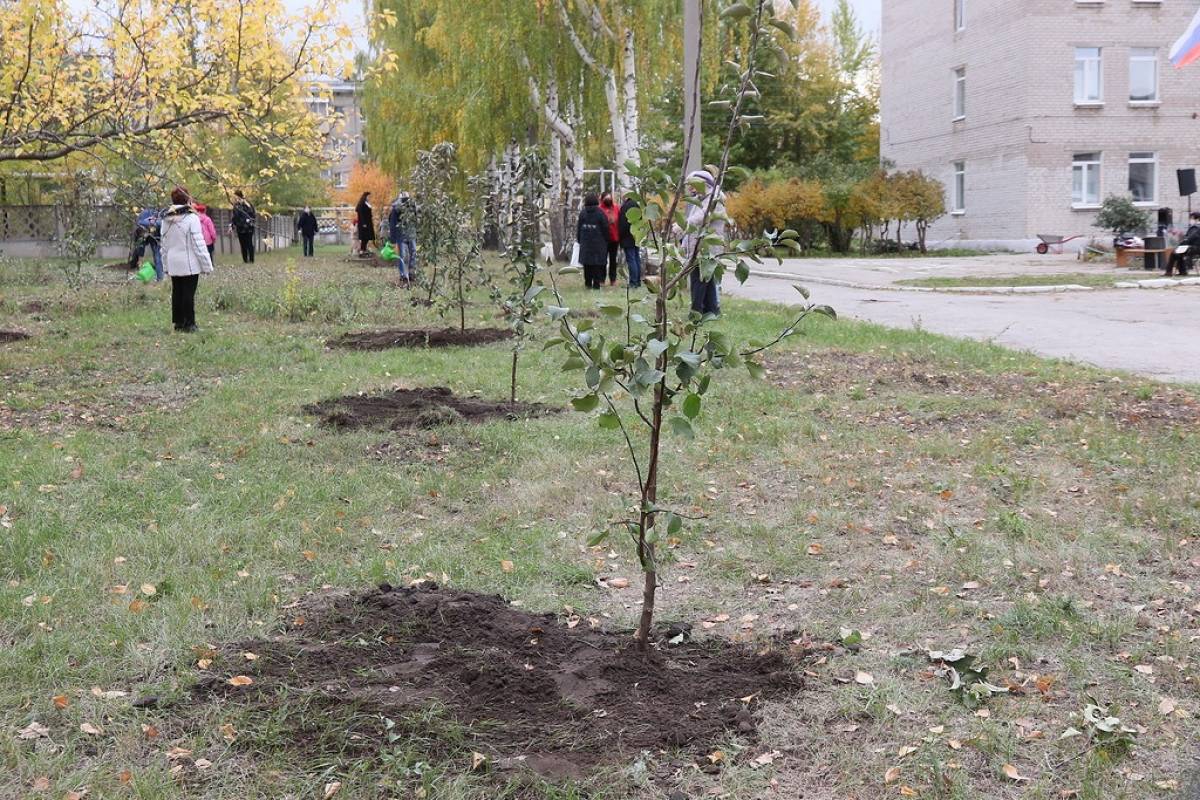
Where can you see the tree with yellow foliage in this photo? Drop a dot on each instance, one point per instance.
(367, 176)
(161, 84)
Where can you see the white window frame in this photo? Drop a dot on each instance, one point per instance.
(1094, 65)
(959, 100)
(958, 190)
(960, 15)
(1146, 157)
(1134, 58)
(1084, 167)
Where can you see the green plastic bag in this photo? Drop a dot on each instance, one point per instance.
(387, 252)
(146, 273)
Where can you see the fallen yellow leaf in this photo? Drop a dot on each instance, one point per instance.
(892, 775)
(240, 680)
(1012, 773)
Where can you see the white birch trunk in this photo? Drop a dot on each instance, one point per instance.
(632, 119)
(557, 193)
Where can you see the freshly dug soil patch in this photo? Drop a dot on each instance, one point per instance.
(405, 409)
(12, 336)
(447, 337)
(529, 690)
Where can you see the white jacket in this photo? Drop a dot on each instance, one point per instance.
(183, 249)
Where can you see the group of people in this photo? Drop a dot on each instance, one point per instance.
(148, 235)
(181, 241)
(401, 231)
(604, 229)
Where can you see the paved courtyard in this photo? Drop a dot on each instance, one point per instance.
(1154, 332)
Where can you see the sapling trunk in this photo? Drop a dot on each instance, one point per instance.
(512, 394)
(462, 305)
(646, 550)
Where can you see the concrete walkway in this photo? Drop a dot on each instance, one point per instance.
(1153, 333)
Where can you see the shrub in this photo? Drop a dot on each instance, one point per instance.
(1120, 215)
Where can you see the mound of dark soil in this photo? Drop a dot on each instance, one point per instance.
(447, 337)
(405, 409)
(526, 689)
(12, 336)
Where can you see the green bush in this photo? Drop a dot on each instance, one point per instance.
(1121, 216)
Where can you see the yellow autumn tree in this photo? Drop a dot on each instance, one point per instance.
(366, 176)
(162, 84)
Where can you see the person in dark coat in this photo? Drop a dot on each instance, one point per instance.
(612, 213)
(244, 223)
(147, 235)
(633, 253)
(408, 234)
(307, 225)
(399, 235)
(1183, 261)
(366, 223)
(592, 234)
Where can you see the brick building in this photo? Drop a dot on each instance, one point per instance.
(339, 104)
(1033, 111)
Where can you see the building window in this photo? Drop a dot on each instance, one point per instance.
(340, 183)
(1143, 75)
(1085, 180)
(1143, 177)
(958, 202)
(362, 147)
(960, 14)
(960, 93)
(1088, 81)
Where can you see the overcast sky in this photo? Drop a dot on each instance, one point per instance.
(868, 11)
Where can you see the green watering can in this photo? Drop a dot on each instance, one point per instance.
(387, 252)
(146, 273)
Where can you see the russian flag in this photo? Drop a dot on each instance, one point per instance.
(1187, 49)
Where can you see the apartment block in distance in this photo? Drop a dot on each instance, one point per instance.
(338, 102)
(1031, 112)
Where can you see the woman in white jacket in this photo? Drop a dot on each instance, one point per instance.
(702, 186)
(185, 258)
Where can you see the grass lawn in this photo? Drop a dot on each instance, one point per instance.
(1097, 280)
(163, 496)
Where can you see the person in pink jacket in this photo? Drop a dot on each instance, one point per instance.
(207, 228)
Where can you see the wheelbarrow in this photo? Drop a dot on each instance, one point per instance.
(1057, 242)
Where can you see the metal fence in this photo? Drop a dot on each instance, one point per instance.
(39, 230)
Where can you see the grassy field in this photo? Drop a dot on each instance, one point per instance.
(1093, 279)
(165, 494)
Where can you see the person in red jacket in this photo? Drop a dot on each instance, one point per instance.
(612, 212)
